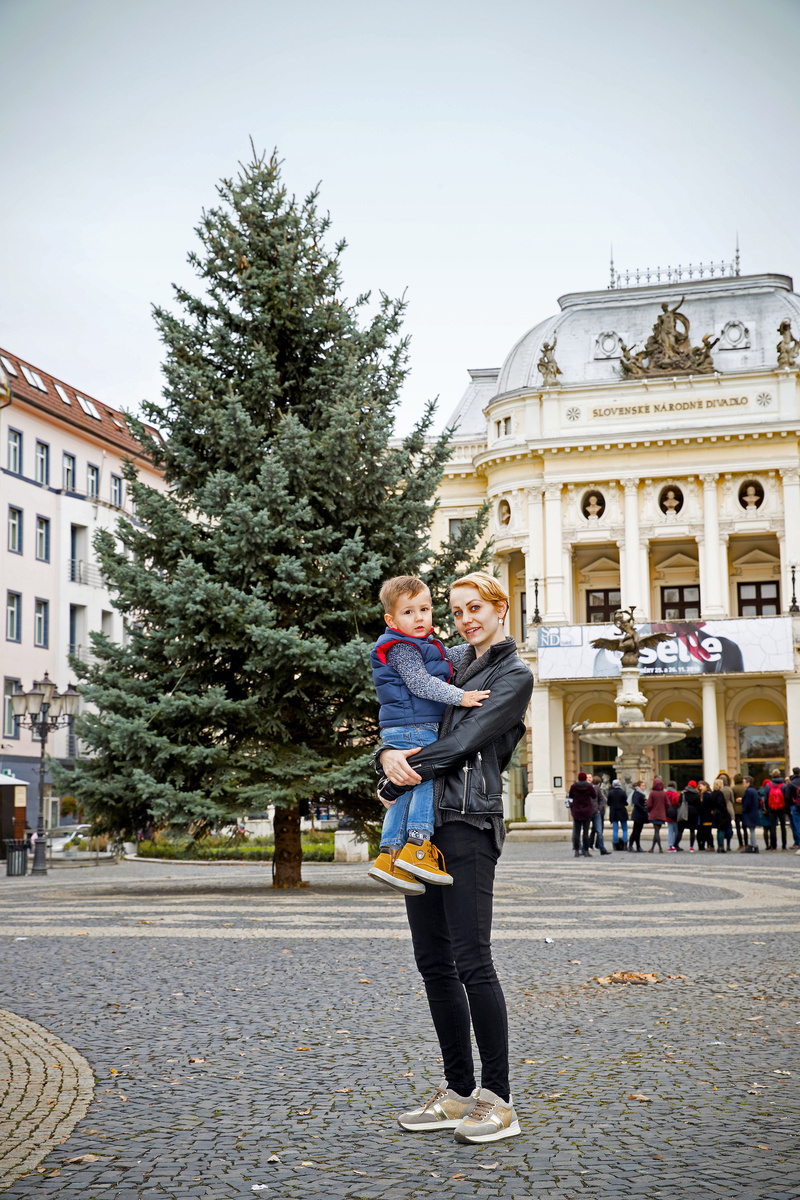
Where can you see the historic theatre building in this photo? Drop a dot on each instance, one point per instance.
(640, 448)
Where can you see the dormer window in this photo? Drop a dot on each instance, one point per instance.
(503, 427)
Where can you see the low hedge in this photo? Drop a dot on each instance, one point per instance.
(311, 852)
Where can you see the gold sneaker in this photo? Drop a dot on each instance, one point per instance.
(385, 871)
(445, 1110)
(489, 1120)
(425, 861)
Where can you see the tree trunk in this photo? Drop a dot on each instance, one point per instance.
(288, 856)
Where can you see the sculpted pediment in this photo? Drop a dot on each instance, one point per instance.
(756, 558)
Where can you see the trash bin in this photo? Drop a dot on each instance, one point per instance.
(16, 856)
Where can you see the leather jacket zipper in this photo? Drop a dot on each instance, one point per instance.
(483, 776)
(466, 787)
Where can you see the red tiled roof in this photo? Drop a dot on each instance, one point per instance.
(111, 427)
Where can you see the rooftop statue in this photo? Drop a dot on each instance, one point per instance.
(788, 347)
(547, 364)
(668, 350)
(630, 643)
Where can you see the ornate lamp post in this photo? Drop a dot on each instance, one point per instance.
(537, 616)
(42, 709)
(794, 608)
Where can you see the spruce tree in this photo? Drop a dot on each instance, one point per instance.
(248, 585)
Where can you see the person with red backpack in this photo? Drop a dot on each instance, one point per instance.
(775, 807)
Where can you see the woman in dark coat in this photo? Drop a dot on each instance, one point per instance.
(722, 818)
(657, 812)
(705, 819)
(751, 815)
(581, 795)
(618, 815)
(451, 926)
(692, 797)
(638, 815)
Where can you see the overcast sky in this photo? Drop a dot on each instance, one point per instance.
(480, 157)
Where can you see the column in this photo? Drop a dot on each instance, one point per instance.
(534, 557)
(645, 588)
(630, 584)
(702, 574)
(557, 764)
(501, 561)
(724, 576)
(790, 543)
(711, 762)
(711, 597)
(554, 568)
(793, 721)
(722, 732)
(539, 801)
(622, 570)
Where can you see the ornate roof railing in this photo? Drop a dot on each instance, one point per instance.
(645, 276)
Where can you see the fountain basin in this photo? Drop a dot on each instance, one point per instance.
(633, 735)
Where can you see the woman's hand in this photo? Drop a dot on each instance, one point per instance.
(397, 769)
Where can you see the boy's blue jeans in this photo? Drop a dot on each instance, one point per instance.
(414, 809)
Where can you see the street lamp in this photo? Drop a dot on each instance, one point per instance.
(42, 709)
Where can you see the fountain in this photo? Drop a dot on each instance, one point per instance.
(630, 733)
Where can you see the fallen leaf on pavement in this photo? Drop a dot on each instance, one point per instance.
(53, 1174)
(82, 1158)
(639, 1096)
(303, 1112)
(197, 1060)
(489, 1166)
(338, 1090)
(761, 1147)
(302, 1047)
(461, 1176)
(552, 1095)
(260, 1187)
(273, 1158)
(628, 977)
(365, 981)
(306, 1164)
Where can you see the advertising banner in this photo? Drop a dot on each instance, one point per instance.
(747, 645)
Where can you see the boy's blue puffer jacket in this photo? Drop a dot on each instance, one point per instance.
(398, 706)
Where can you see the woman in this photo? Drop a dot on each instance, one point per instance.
(618, 815)
(691, 797)
(705, 820)
(724, 784)
(582, 797)
(722, 817)
(657, 812)
(738, 790)
(451, 926)
(638, 815)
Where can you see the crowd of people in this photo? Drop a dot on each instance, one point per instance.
(707, 814)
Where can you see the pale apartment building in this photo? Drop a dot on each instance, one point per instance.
(60, 481)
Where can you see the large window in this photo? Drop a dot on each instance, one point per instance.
(15, 451)
(92, 481)
(15, 530)
(759, 599)
(43, 539)
(41, 623)
(680, 603)
(761, 748)
(69, 472)
(42, 462)
(596, 760)
(10, 722)
(13, 617)
(116, 491)
(601, 604)
(682, 761)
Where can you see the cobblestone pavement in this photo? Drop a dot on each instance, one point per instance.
(256, 1043)
(45, 1089)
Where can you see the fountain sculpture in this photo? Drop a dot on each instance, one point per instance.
(630, 733)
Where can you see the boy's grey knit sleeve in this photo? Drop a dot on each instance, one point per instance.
(409, 666)
(457, 654)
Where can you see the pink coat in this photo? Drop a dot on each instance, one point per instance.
(657, 801)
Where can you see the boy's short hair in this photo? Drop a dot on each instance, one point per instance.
(400, 585)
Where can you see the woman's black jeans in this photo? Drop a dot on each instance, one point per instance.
(580, 829)
(451, 930)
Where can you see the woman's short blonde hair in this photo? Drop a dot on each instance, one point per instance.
(487, 587)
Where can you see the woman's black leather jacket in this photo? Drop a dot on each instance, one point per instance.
(477, 748)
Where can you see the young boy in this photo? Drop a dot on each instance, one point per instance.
(412, 672)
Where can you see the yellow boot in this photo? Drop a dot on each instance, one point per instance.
(385, 871)
(424, 861)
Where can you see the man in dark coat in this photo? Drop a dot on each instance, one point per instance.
(775, 815)
(581, 794)
(751, 814)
